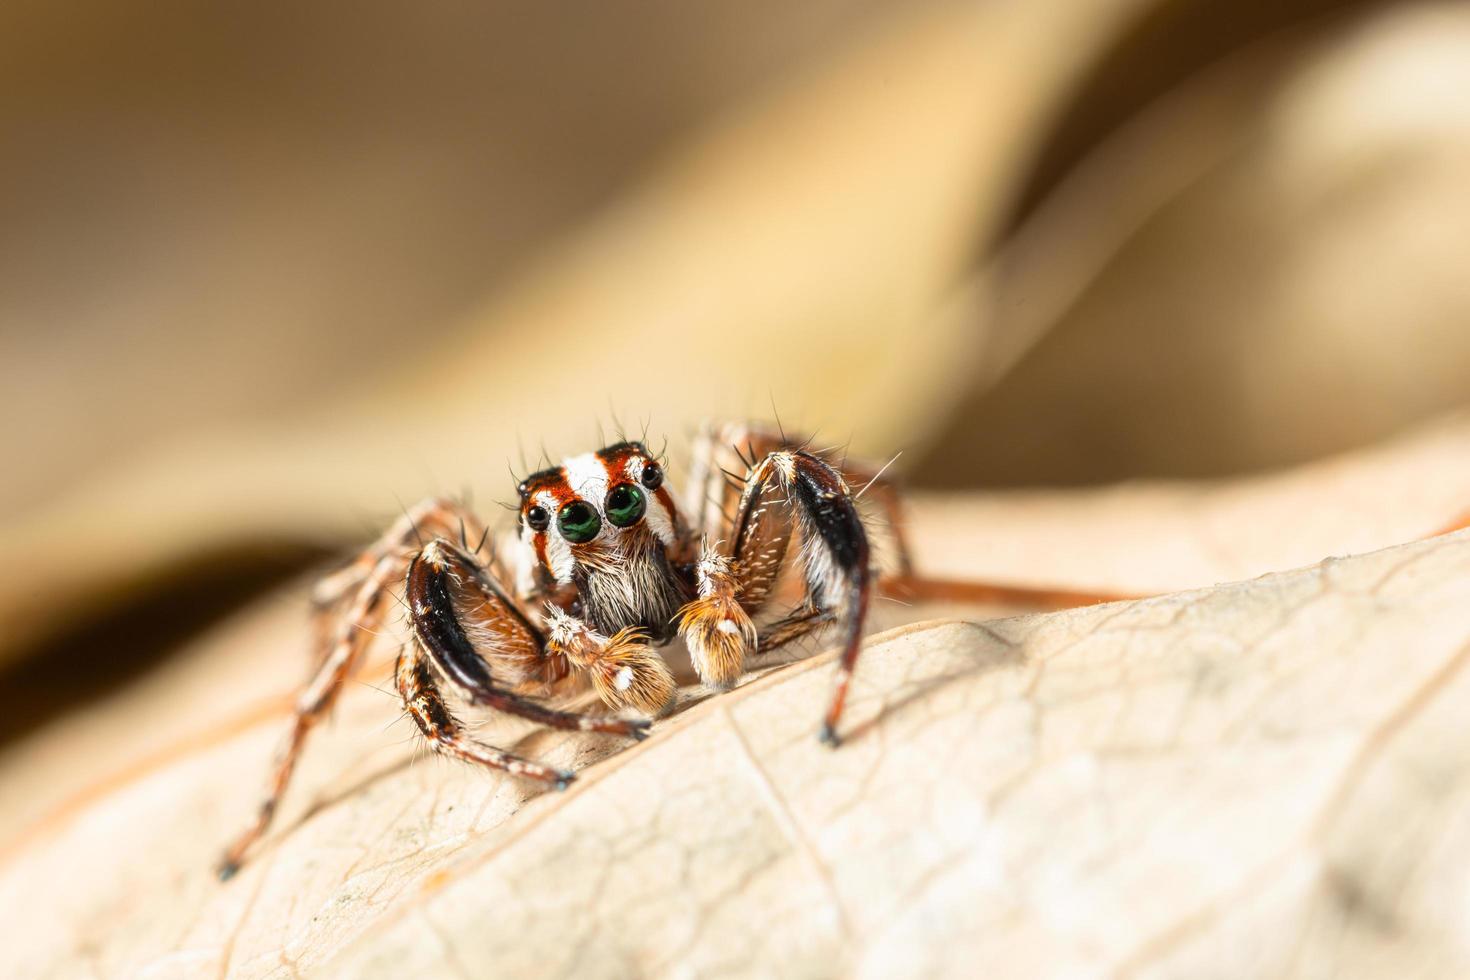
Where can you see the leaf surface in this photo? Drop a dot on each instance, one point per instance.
(1268, 776)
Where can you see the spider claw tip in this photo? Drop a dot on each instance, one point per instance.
(226, 870)
(563, 781)
(828, 736)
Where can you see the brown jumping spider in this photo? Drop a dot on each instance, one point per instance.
(604, 569)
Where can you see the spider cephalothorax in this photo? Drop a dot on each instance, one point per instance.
(603, 568)
(605, 523)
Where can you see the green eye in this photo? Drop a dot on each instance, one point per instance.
(625, 504)
(578, 522)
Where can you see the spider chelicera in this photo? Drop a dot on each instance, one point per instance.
(604, 569)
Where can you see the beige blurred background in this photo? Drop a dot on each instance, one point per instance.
(268, 272)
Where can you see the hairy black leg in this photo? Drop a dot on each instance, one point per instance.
(446, 734)
(345, 629)
(877, 487)
(464, 624)
(723, 453)
(796, 489)
(839, 579)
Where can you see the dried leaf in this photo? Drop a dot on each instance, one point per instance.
(1262, 777)
(824, 219)
(1264, 267)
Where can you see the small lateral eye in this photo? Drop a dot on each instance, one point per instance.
(625, 505)
(652, 475)
(537, 518)
(578, 522)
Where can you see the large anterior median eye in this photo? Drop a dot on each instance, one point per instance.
(578, 522)
(625, 504)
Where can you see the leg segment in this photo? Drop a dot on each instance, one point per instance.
(790, 628)
(436, 517)
(623, 668)
(445, 733)
(466, 627)
(353, 632)
(788, 492)
(717, 627)
(836, 559)
(918, 588)
(722, 450)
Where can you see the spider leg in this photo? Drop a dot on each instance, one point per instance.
(432, 518)
(445, 732)
(886, 497)
(792, 627)
(343, 631)
(720, 447)
(787, 492)
(353, 633)
(464, 624)
(920, 588)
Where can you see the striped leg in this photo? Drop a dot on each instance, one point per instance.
(445, 733)
(723, 451)
(436, 517)
(351, 637)
(788, 493)
(792, 627)
(472, 630)
(344, 630)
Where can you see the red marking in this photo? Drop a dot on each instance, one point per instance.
(552, 481)
(667, 499)
(617, 455)
(615, 466)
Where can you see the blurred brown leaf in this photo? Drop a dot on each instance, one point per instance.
(1265, 266)
(1263, 777)
(789, 251)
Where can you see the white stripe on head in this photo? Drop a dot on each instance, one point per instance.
(518, 555)
(587, 476)
(660, 518)
(558, 552)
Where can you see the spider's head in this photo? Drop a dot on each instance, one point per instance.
(604, 521)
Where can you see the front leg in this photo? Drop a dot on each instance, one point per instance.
(444, 731)
(348, 608)
(716, 627)
(836, 559)
(481, 640)
(723, 451)
(623, 668)
(788, 493)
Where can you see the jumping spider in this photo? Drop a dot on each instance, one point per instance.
(604, 569)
